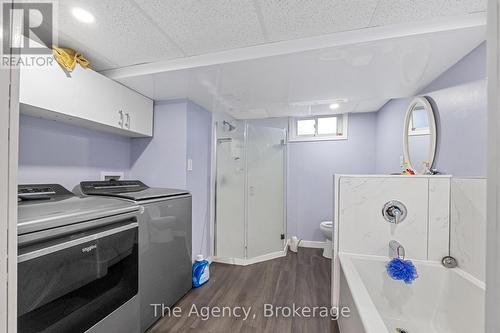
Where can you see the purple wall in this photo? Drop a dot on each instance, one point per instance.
(54, 152)
(471, 68)
(199, 134)
(182, 130)
(160, 161)
(311, 166)
(458, 97)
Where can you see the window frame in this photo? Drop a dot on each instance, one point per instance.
(418, 131)
(292, 129)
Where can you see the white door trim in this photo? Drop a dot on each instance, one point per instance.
(12, 196)
(493, 224)
(9, 137)
(4, 193)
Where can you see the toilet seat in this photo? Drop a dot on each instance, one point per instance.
(327, 224)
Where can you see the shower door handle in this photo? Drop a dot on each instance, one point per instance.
(251, 190)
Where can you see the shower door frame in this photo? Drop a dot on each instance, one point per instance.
(213, 205)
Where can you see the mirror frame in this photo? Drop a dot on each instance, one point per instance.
(432, 130)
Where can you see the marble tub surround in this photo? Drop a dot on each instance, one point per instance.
(468, 225)
(439, 223)
(363, 230)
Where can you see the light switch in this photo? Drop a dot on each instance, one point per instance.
(190, 164)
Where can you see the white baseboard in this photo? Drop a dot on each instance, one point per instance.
(229, 261)
(312, 244)
(210, 259)
(265, 257)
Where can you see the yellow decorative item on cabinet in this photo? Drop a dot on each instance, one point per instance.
(68, 58)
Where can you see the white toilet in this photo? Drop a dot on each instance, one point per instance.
(327, 230)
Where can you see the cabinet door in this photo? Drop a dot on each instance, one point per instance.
(138, 112)
(97, 98)
(113, 104)
(82, 94)
(49, 88)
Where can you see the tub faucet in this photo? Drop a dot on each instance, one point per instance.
(396, 250)
(396, 212)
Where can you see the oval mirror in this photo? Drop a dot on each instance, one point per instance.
(419, 135)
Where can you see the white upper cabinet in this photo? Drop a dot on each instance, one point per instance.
(86, 98)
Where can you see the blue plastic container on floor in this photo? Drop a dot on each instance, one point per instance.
(201, 272)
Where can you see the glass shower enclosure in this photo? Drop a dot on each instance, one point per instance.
(250, 190)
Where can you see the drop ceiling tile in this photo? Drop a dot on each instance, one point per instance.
(97, 60)
(260, 114)
(397, 11)
(203, 26)
(120, 33)
(285, 20)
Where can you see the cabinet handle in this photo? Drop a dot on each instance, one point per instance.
(121, 118)
(127, 124)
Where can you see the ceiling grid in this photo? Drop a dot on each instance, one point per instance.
(273, 57)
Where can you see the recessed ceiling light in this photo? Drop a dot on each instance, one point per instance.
(83, 15)
(334, 106)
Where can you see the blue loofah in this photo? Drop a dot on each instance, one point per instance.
(400, 269)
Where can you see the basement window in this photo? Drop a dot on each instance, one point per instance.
(318, 128)
(419, 122)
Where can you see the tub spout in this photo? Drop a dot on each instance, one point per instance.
(396, 250)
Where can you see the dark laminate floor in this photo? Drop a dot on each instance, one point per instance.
(303, 279)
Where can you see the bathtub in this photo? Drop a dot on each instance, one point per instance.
(441, 300)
